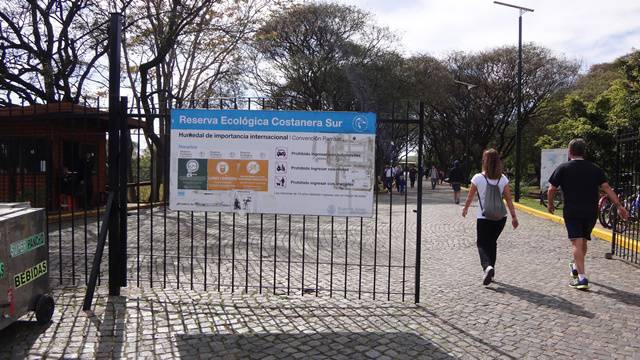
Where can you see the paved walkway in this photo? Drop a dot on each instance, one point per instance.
(529, 312)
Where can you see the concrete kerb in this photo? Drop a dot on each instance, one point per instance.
(601, 234)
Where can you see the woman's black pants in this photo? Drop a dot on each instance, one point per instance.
(488, 233)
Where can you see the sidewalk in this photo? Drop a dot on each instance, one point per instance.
(529, 312)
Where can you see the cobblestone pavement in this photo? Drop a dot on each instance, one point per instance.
(529, 312)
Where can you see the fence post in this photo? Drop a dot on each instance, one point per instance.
(115, 27)
(419, 204)
(123, 171)
(616, 187)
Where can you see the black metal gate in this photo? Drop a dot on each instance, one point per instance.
(626, 234)
(351, 257)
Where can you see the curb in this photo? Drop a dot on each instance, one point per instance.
(599, 233)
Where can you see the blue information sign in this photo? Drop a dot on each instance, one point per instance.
(274, 121)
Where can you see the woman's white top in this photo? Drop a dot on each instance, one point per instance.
(481, 184)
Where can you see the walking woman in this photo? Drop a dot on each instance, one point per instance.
(491, 186)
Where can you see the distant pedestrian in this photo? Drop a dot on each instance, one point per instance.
(413, 172)
(399, 177)
(388, 177)
(491, 186)
(455, 179)
(579, 181)
(433, 174)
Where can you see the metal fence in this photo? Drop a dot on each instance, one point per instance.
(626, 233)
(351, 257)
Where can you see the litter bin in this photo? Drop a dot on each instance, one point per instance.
(24, 264)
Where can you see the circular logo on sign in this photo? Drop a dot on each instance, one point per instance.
(253, 167)
(222, 167)
(192, 166)
(360, 123)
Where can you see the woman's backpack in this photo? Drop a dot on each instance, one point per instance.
(493, 208)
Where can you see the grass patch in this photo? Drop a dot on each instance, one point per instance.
(535, 204)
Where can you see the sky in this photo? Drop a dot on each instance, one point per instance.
(590, 31)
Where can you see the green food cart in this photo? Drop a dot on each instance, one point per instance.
(24, 264)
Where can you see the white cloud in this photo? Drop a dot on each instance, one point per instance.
(591, 31)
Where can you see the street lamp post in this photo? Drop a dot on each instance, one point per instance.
(519, 99)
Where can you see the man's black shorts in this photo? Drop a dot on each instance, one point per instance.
(580, 227)
(455, 186)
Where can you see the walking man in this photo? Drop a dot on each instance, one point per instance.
(455, 178)
(388, 177)
(579, 181)
(399, 177)
(433, 174)
(413, 172)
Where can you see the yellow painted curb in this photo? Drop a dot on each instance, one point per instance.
(599, 233)
(540, 214)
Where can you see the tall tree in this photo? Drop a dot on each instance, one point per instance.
(49, 49)
(469, 119)
(179, 51)
(604, 102)
(312, 51)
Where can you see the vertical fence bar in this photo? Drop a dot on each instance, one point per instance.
(98, 185)
(115, 28)
(406, 167)
(219, 248)
(289, 259)
(164, 123)
(346, 255)
(304, 234)
(60, 186)
(33, 172)
(123, 164)
(178, 251)
(87, 183)
(192, 235)
(393, 111)
(152, 192)
(74, 191)
(636, 183)
(206, 246)
(419, 207)
(360, 258)
(331, 263)
(138, 205)
(246, 260)
(261, 248)
(616, 187)
(275, 250)
(317, 255)
(48, 191)
(375, 242)
(233, 251)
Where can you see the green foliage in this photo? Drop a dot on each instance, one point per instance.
(603, 103)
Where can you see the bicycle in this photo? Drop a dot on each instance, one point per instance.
(604, 216)
(632, 204)
(557, 199)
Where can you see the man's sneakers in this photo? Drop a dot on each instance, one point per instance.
(576, 283)
(488, 275)
(580, 284)
(574, 271)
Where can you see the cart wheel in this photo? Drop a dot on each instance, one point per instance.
(44, 309)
